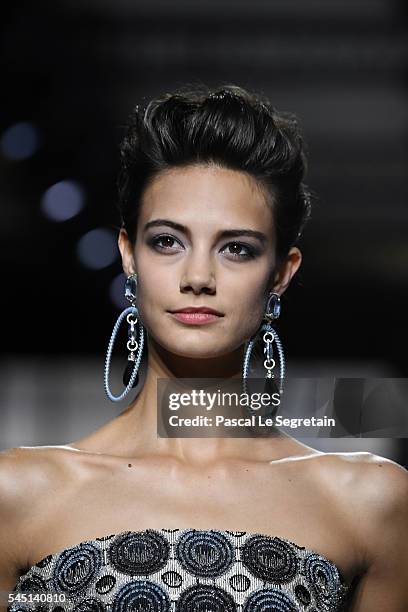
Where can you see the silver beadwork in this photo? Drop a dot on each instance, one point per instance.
(189, 565)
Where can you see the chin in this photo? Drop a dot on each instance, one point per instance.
(194, 349)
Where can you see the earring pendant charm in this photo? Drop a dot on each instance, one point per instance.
(269, 363)
(131, 310)
(134, 345)
(272, 312)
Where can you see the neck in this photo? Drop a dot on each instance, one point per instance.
(163, 364)
(137, 427)
(134, 432)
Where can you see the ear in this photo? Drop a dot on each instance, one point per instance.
(287, 270)
(126, 251)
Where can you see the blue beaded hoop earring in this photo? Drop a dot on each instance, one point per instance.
(131, 314)
(270, 335)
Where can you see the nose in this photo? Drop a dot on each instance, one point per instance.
(198, 275)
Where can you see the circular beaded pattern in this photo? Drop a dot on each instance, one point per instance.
(76, 568)
(270, 559)
(172, 579)
(302, 594)
(141, 553)
(207, 554)
(141, 595)
(105, 584)
(323, 578)
(269, 599)
(90, 605)
(239, 582)
(185, 570)
(205, 597)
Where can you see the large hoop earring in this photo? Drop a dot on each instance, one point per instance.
(134, 347)
(273, 309)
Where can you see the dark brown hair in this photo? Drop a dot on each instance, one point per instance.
(228, 126)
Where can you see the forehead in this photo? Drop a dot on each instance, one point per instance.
(207, 193)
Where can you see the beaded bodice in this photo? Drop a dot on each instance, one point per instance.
(184, 570)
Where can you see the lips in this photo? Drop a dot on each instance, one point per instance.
(198, 309)
(200, 315)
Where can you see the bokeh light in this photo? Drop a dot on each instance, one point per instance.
(20, 141)
(98, 248)
(63, 200)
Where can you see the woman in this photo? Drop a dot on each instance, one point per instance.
(213, 202)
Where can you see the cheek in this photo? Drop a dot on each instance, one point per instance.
(247, 300)
(156, 283)
(153, 298)
(247, 320)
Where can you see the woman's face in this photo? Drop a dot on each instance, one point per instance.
(197, 263)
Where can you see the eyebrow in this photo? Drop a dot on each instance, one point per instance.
(230, 233)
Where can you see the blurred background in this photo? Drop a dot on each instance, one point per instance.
(71, 73)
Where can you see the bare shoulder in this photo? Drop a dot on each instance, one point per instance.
(28, 469)
(18, 466)
(364, 478)
(375, 501)
(15, 470)
(27, 475)
(369, 474)
(372, 493)
(383, 484)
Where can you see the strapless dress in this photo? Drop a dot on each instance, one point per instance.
(183, 570)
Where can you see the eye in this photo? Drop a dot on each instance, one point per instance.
(237, 247)
(167, 241)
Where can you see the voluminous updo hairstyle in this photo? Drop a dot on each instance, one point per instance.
(227, 126)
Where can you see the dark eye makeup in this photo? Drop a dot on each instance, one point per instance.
(154, 242)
